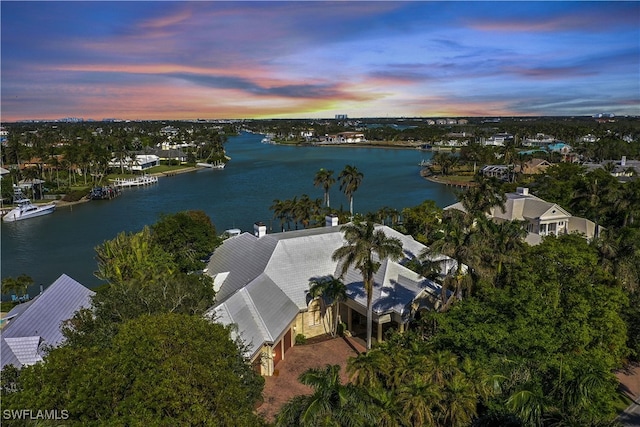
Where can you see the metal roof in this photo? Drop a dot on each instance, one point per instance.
(42, 317)
(263, 282)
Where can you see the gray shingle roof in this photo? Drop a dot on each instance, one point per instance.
(40, 320)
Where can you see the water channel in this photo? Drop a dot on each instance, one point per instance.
(234, 197)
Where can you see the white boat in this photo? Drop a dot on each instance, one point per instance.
(218, 165)
(26, 210)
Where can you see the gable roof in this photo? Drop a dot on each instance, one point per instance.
(41, 318)
(520, 207)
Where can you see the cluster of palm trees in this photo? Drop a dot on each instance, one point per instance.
(349, 178)
(402, 382)
(67, 155)
(302, 211)
(306, 212)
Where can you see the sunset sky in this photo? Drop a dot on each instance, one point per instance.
(185, 60)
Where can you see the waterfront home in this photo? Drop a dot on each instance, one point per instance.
(140, 162)
(540, 218)
(262, 282)
(33, 326)
(344, 138)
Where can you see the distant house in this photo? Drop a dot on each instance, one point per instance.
(541, 218)
(345, 137)
(498, 139)
(501, 172)
(140, 162)
(170, 154)
(624, 170)
(262, 282)
(35, 325)
(535, 166)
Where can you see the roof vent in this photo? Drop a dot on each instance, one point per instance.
(524, 191)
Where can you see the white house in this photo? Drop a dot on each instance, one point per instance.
(141, 162)
(262, 283)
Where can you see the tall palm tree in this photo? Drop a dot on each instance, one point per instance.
(364, 245)
(350, 179)
(331, 292)
(456, 243)
(324, 178)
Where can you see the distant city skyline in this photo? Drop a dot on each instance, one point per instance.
(163, 60)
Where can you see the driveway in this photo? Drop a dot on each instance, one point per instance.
(278, 389)
(630, 385)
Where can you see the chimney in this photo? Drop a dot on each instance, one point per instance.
(524, 191)
(623, 162)
(259, 229)
(331, 220)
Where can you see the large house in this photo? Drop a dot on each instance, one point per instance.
(541, 218)
(34, 326)
(262, 283)
(141, 162)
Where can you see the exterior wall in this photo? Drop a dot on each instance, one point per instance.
(311, 322)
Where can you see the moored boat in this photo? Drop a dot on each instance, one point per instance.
(104, 193)
(26, 210)
(217, 165)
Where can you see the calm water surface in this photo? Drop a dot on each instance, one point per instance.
(235, 197)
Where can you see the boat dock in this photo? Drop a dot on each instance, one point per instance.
(135, 182)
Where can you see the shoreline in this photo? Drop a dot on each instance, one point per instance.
(370, 144)
(61, 203)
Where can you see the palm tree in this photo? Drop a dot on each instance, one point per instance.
(456, 243)
(330, 404)
(332, 291)
(479, 199)
(278, 208)
(324, 178)
(363, 243)
(350, 179)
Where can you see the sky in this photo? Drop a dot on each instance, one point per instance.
(159, 60)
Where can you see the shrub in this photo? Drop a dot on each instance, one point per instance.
(301, 339)
(75, 195)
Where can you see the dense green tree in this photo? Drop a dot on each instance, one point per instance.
(423, 222)
(364, 250)
(552, 329)
(160, 370)
(188, 236)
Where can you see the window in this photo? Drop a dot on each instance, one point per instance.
(314, 313)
